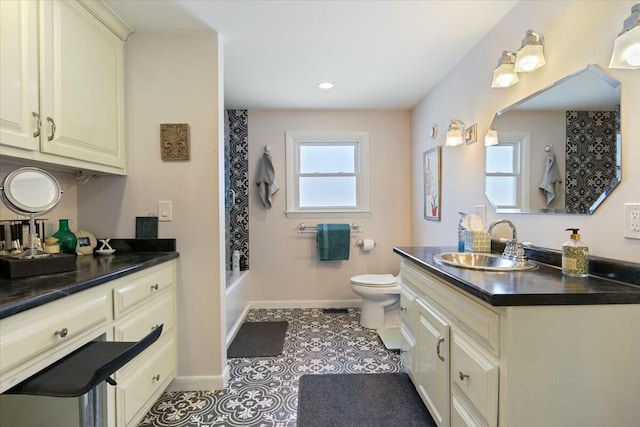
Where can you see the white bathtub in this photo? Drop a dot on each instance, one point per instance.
(237, 302)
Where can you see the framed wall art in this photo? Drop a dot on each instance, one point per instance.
(432, 175)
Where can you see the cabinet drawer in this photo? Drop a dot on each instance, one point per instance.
(140, 289)
(139, 324)
(49, 327)
(141, 382)
(475, 375)
(477, 320)
(462, 415)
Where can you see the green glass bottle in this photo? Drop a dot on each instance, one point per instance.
(66, 238)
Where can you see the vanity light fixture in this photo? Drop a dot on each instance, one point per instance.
(530, 56)
(626, 48)
(491, 138)
(505, 75)
(459, 133)
(325, 85)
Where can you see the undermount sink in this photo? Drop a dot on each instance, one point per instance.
(481, 261)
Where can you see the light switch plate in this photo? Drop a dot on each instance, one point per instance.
(632, 220)
(165, 211)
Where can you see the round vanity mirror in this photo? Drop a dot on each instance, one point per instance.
(31, 192)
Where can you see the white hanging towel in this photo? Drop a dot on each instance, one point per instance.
(551, 179)
(266, 180)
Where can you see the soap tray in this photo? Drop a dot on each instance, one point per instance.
(476, 241)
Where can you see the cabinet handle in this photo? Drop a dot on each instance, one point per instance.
(463, 376)
(52, 124)
(156, 378)
(154, 287)
(62, 333)
(403, 308)
(36, 116)
(440, 341)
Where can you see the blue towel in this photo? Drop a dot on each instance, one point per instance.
(334, 241)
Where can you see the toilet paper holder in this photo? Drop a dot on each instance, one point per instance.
(360, 243)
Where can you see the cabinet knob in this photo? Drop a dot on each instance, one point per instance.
(462, 376)
(156, 377)
(62, 333)
(154, 287)
(38, 123)
(403, 308)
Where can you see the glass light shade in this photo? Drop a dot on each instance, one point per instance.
(454, 137)
(504, 76)
(529, 58)
(491, 138)
(626, 50)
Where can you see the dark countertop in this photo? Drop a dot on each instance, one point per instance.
(22, 294)
(546, 285)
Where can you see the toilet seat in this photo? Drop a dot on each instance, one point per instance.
(375, 280)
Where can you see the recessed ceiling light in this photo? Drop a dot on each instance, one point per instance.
(325, 85)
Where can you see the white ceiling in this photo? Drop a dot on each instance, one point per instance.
(379, 54)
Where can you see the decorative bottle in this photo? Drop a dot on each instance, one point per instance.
(575, 256)
(66, 238)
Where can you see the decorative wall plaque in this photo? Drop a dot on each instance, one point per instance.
(174, 141)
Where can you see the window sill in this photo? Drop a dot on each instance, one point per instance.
(328, 214)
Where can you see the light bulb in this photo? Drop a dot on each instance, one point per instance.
(632, 55)
(504, 80)
(528, 63)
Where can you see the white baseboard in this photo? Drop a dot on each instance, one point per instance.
(355, 303)
(200, 383)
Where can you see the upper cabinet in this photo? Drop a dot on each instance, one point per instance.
(62, 84)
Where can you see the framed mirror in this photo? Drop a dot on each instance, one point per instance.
(558, 149)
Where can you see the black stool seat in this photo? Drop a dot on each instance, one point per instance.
(85, 368)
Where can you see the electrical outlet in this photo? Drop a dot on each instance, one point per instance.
(632, 220)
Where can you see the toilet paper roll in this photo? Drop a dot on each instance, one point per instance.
(368, 244)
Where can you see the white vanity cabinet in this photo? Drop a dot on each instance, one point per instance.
(475, 364)
(62, 84)
(140, 305)
(124, 309)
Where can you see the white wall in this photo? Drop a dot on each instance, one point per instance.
(284, 264)
(174, 78)
(576, 33)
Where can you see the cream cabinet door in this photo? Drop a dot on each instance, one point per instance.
(431, 362)
(82, 85)
(19, 109)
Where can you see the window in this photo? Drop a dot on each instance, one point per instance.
(327, 173)
(504, 171)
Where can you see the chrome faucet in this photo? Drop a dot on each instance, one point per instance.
(514, 249)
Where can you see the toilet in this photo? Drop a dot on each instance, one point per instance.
(380, 295)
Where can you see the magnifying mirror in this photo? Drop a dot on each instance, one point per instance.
(31, 192)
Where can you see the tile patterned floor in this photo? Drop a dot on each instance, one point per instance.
(263, 391)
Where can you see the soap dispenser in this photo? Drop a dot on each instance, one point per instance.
(461, 232)
(575, 256)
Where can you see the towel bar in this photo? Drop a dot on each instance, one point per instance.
(303, 228)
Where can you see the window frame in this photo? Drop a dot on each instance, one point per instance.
(521, 142)
(360, 140)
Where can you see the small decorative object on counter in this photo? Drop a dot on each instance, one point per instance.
(66, 238)
(105, 249)
(51, 245)
(575, 256)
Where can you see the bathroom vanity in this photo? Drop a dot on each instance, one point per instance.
(118, 297)
(527, 348)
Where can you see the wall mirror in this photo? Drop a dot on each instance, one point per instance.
(570, 129)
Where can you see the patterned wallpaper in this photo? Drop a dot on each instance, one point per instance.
(590, 157)
(237, 181)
